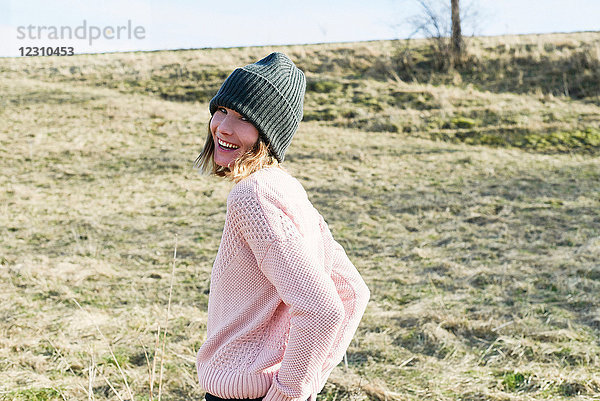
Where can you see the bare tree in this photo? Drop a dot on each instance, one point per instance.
(457, 40)
(442, 21)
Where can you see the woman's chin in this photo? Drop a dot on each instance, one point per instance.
(223, 162)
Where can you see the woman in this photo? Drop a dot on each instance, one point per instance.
(285, 300)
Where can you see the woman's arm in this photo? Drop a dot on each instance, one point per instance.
(353, 293)
(317, 314)
(296, 271)
(329, 307)
(326, 303)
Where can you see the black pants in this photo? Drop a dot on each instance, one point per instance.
(210, 397)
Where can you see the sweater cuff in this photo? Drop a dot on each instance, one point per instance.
(274, 394)
(325, 377)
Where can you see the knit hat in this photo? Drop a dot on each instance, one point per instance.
(270, 94)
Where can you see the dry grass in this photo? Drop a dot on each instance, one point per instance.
(537, 92)
(483, 261)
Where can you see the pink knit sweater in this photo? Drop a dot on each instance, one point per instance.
(285, 300)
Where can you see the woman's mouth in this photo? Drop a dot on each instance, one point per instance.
(226, 146)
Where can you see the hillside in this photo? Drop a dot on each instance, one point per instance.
(537, 92)
(468, 200)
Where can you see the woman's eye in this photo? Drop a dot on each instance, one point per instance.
(222, 110)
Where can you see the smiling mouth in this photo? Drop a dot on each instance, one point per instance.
(226, 145)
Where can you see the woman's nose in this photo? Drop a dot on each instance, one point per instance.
(226, 126)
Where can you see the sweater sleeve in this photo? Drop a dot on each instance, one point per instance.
(315, 307)
(317, 313)
(353, 293)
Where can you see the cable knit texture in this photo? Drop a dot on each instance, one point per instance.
(285, 300)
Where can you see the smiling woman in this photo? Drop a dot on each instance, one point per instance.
(233, 135)
(233, 147)
(285, 300)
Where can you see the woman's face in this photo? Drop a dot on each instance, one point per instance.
(233, 135)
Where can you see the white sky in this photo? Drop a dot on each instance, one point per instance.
(194, 24)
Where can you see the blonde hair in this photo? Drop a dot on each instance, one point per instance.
(252, 160)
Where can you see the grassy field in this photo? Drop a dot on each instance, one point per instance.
(468, 200)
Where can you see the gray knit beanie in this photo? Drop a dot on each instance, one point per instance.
(270, 94)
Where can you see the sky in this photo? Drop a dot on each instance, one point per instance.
(117, 25)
